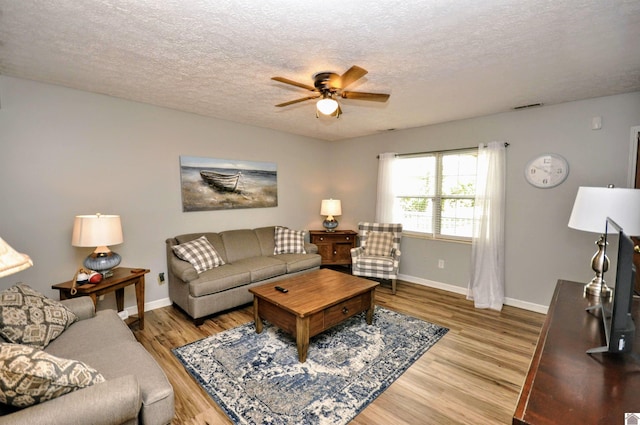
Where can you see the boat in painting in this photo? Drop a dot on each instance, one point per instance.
(225, 182)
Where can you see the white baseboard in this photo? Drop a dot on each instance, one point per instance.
(130, 311)
(525, 305)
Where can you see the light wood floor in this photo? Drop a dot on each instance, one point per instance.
(472, 375)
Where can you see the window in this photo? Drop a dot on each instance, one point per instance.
(435, 193)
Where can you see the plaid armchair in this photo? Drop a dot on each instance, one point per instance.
(378, 251)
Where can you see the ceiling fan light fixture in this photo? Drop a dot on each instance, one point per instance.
(327, 106)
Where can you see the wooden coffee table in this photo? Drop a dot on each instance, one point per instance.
(315, 302)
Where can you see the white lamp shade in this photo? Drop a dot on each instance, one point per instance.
(331, 207)
(327, 106)
(96, 230)
(594, 204)
(12, 261)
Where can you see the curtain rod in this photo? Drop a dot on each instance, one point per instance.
(506, 145)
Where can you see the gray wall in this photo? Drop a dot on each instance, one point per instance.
(540, 248)
(65, 152)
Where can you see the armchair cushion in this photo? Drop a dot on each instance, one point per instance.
(373, 264)
(29, 376)
(28, 317)
(200, 253)
(379, 243)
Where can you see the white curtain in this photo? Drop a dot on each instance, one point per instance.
(486, 287)
(386, 197)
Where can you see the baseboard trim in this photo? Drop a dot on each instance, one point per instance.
(130, 311)
(525, 305)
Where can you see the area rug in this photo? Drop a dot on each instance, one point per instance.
(257, 379)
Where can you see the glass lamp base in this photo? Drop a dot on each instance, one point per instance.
(102, 262)
(330, 225)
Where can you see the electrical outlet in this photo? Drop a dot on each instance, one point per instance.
(101, 297)
(160, 277)
(441, 264)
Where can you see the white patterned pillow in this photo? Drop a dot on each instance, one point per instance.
(378, 244)
(288, 241)
(29, 376)
(28, 317)
(200, 253)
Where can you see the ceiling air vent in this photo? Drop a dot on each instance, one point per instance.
(533, 105)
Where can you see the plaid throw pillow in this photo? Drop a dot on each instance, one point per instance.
(28, 317)
(378, 244)
(29, 376)
(200, 253)
(289, 241)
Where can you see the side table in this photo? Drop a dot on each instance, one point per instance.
(122, 277)
(334, 247)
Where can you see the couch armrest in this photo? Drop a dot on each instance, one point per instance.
(310, 248)
(82, 307)
(112, 402)
(183, 270)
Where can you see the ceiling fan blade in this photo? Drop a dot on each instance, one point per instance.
(294, 83)
(376, 97)
(353, 74)
(291, 102)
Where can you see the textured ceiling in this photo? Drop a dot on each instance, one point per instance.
(440, 60)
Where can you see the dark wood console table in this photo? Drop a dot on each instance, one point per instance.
(334, 247)
(565, 385)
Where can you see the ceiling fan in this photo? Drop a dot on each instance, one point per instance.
(328, 86)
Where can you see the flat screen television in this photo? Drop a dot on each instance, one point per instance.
(616, 314)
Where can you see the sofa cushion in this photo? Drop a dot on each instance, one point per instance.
(240, 244)
(299, 262)
(28, 317)
(262, 268)
(288, 241)
(220, 279)
(200, 253)
(29, 375)
(379, 243)
(105, 329)
(266, 239)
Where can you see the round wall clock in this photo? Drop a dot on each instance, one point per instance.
(546, 170)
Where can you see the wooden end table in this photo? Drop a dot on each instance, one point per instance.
(315, 302)
(122, 277)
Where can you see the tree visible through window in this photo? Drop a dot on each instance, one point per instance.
(436, 193)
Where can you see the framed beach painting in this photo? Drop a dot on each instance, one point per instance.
(222, 184)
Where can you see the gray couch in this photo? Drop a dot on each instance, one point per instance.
(249, 261)
(136, 390)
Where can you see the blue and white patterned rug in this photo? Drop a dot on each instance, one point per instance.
(257, 379)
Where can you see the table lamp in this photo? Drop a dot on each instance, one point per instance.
(590, 211)
(98, 230)
(12, 261)
(330, 207)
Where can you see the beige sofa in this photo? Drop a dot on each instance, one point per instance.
(249, 261)
(135, 391)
